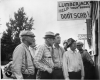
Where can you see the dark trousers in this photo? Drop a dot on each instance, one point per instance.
(35, 72)
(90, 73)
(57, 73)
(43, 75)
(28, 76)
(1, 74)
(75, 75)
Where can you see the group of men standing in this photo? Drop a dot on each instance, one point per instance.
(48, 61)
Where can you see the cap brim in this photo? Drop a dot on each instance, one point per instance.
(28, 35)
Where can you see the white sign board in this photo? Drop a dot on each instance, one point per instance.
(73, 10)
(82, 36)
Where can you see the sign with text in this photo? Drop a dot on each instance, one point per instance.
(82, 36)
(73, 10)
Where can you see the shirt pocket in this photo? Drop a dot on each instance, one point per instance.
(47, 54)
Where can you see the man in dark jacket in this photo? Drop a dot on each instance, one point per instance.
(87, 61)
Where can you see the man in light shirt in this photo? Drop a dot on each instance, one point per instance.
(58, 58)
(72, 62)
(22, 66)
(32, 49)
(43, 57)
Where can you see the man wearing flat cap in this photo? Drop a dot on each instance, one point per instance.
(43, 57)
(87, 61)
(23, 65)
(72, 62)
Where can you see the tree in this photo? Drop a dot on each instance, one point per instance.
(10, 38)
(6, 44)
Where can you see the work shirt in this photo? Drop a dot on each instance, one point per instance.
(22, 61)
(43, 58)
(85, 56)
(72, 62)
(58, 56)
(88, 64)
(32, 50)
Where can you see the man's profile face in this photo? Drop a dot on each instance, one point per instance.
(50, 41)
(58, 39)
(65, 45)
(31, 40)
(33, 44)
(73, 45)
(79, 47)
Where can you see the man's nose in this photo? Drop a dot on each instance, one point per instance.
(34, 39)
(53, 41)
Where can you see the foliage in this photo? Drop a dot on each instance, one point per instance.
(10, 38)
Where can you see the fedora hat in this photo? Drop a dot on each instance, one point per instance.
(70, 41)
(49, 34)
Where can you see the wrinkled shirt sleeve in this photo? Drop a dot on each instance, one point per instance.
(17, 62)
(38, 57)
(88, 57)
(65, 66)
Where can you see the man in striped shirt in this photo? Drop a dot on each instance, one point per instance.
(43, 57)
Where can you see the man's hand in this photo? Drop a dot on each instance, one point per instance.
(67, 79)
(49, 70)
(82, 78)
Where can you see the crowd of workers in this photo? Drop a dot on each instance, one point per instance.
(50, 60)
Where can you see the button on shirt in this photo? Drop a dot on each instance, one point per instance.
(58, 56)
(72, 62)
(43, 58)
(19, 61)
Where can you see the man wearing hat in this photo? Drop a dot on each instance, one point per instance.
(65, 44)
(23, 65)
(43, 57)
(87, 61)
(72, 62)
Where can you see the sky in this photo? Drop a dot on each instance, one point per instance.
(44, 13)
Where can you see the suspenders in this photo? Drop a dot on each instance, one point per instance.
(26, 62)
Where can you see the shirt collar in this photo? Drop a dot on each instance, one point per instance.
(47, 46)
(55, 47)
(73, 51)
(25, 45)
